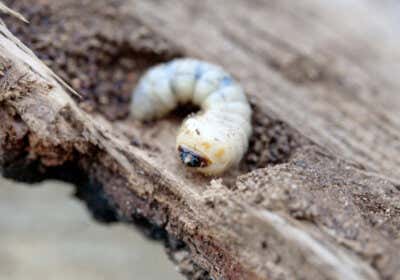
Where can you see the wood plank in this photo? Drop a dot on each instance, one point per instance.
(294, 208)
(328, 69)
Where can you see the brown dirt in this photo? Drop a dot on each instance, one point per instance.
(89, 49)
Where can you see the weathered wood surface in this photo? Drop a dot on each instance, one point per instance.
(317, 196)
(329, 69)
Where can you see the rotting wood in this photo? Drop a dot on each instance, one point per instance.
(292, 210)
(329, 69)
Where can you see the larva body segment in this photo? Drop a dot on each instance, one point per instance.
(217, 137)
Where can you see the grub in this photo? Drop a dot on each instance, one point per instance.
(296, 198)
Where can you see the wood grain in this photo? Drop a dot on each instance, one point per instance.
(317, 195)
(328, 69)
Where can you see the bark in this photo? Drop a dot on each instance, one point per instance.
(317, 195)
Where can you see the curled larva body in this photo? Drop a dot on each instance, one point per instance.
(217, 137)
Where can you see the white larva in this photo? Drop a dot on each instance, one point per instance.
(212, 140)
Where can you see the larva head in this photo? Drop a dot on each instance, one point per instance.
(192, 158)
(203, 148)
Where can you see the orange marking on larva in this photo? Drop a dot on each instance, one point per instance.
(206, 145)
(220, 153)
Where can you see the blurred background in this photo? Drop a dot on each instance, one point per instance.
(38, 242)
